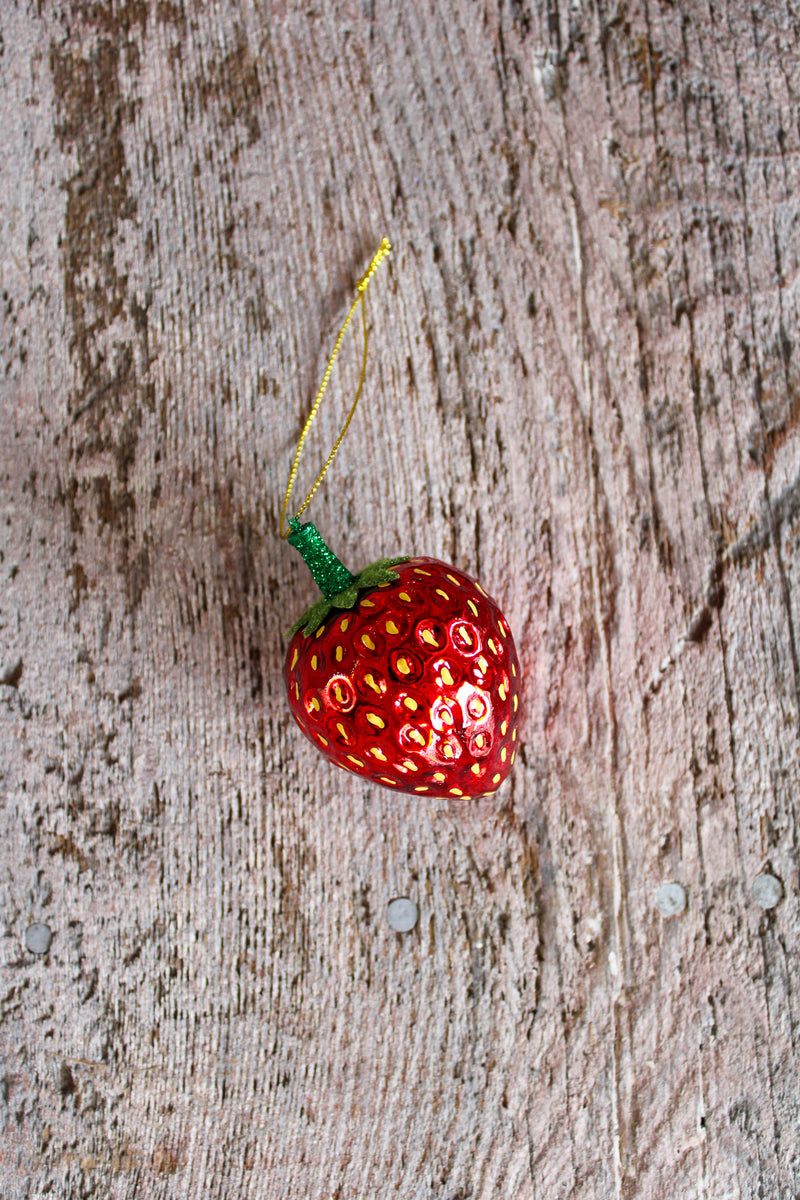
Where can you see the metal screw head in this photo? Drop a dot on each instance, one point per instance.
(671, 899)
(767, 890)
(38, 938)
(402, 914)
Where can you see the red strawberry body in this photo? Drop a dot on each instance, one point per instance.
(416, 687)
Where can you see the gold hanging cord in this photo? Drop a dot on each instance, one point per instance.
(380, 253)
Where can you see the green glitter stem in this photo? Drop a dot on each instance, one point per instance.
(331, 576)
(340, 590)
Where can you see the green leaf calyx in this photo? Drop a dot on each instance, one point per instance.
(373, 576)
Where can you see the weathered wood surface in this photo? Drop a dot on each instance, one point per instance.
(584, 388)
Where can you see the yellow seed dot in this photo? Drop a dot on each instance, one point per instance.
(403, 666)
(447, 678)
(504, 728)
(502, 691)
(323, 741)
(410, 703)
(465, 635)
(496, 778)
(376, 752)
(391, 628)
(419, 571)
(480, 589)
(420, 789)
(476, 770)
(314, 661)
(313, 704)
(339, 653)
(383, 779)
(513, 756)
(514, 670)
(482, 664)
(367, 641)
(503, 754)
(480, 740)
(448, 751)
(513, 735)
(452, 579)
(429, 638)
(296, 690)
(345, 625)
(516, 703)
(492, 646)
(375, 720)
(439, 777)
(409, 765)
(369, 679)
(320, 631)
(355, 760)
(443, 594)
(414, 735)
(341, 729)
(473, 608)
(404, 596)
(367, 603)
(503, 628)
(456, 792)
(339, 693)
(295, 657)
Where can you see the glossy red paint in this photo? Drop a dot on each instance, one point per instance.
(416, 688)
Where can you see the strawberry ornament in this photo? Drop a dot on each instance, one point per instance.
(405, 674)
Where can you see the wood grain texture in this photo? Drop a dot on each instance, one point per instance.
(584, 388)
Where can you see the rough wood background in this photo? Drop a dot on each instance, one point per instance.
(584, 388)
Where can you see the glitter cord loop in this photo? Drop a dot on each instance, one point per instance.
(361, 292)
